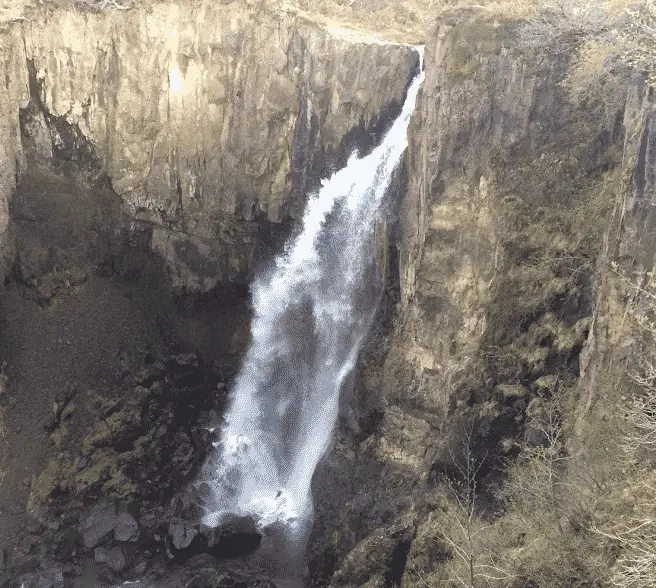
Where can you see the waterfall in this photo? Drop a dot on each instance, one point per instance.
(312, 313)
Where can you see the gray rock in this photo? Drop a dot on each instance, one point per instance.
(126, 528)
(45, 580)
(116, 560)
(140, 568)
(3, 559)
(98, 524)
(100, 555)
(58, 579)
(182, 534)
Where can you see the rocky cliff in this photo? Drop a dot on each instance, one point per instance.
(520, 200)
(211, 120)
(518, 253)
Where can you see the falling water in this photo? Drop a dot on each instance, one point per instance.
(311, 316)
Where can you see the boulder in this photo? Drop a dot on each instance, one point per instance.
(235, 537)
(126, 528)
(98, 524)
(182, 534)
(115, 559)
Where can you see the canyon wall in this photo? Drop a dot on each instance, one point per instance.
(212, 121)
(500, 294)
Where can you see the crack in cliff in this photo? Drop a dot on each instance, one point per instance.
(68, 142)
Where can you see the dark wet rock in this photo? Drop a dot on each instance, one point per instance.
(126, 528)
(235, 537)
(100, 555)
(140, 568)
(182, 534)
(113, 558)
(98, 524)
(116, 559)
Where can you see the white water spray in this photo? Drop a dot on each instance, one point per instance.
(311, 316)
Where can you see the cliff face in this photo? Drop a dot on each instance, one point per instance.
(522, 216)
(498, 299)
(211, 120)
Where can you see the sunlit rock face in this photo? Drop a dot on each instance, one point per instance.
(206, 118)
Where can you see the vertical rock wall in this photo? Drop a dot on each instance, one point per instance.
(208, 119)
(511, 190)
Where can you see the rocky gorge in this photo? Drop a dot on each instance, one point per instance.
(153, 160)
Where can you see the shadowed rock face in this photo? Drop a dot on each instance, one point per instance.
(210, 120)
(199, 132)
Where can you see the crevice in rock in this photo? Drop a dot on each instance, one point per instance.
(394, 575)
(67, 140)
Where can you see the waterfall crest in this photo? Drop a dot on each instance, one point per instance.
(312, 313)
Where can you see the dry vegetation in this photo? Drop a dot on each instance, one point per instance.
(578, 505)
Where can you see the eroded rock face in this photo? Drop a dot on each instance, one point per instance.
(210, 120)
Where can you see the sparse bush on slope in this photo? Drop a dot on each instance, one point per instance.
(606, 36)
(634, 530)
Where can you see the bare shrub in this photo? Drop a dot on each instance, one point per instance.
(102, 5)
(537, 476)
(636, 565)
(475, 563)
(609, 37)
(641, 437)
(563, 21)
(633, 531)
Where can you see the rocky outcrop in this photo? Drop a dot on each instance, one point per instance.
(212, 121)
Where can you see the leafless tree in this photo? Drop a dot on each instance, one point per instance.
(538, 475)
(636, 565)
(475, 565)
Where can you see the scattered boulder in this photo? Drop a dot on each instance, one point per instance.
(140, 568)
(116, 559)
(98, 524)
(126, 528)
(100, 555)
(182, 534)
